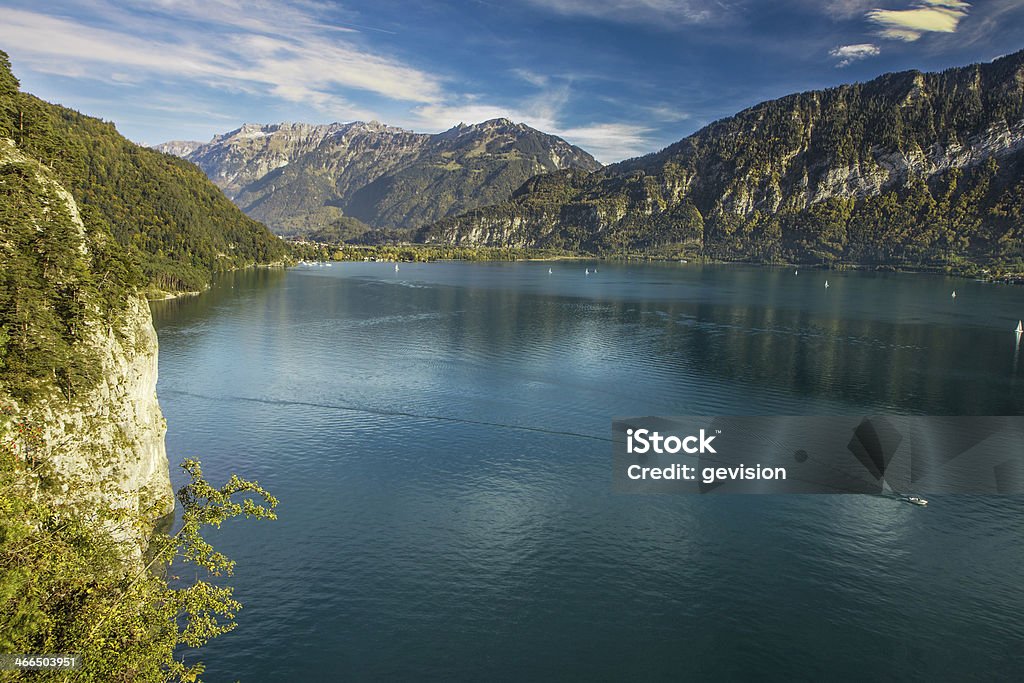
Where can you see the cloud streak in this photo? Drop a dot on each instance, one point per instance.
(279, 53)
(654, 12)
(927, 16)
(297, 62)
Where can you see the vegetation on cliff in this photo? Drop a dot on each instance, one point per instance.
(66, 589)
(88, 220)
(168, 217)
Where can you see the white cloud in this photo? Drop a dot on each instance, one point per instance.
(609, 142)
(848, 54)
(532, 77)
(659, 12)
(845, 9)
(291, 58)
(927, 16)
(666, 114)
(288, 54)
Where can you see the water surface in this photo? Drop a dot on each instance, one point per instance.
(439, 439)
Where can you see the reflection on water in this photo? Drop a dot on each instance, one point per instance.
(438, 438)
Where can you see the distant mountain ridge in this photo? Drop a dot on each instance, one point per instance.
(909, 167)
(298, 177)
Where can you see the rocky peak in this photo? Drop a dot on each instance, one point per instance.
(293, 175)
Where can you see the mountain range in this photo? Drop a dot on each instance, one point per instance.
(338, 180)
(910, 167)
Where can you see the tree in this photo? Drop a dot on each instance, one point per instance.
(66, 587)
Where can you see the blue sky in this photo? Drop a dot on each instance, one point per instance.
(617, 77)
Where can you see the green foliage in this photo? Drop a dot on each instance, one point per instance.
(65, 586)
(172, 221)
(48, 290)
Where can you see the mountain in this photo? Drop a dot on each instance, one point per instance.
(178, 148)
(908, 168)
(172, 222)
(346, 177)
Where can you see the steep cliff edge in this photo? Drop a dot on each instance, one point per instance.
(75, 360)
(107, 446)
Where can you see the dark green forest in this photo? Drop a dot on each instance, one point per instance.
(173, 222)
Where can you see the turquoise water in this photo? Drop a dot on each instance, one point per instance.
(439, 440)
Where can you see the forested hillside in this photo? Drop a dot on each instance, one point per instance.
(83, 469)
(173, 223)
(907, 169)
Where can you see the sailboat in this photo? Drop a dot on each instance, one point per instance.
(396, 267)
(1020, 328)
(954, 293)
(549, 271)
(588, 271)
(826, 284)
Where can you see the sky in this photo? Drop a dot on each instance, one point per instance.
(619, 78)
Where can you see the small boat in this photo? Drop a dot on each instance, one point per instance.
(916, 500)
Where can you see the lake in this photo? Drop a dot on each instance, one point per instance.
(439, 438)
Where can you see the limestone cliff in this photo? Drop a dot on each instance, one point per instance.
(102, 445)
(107, 447)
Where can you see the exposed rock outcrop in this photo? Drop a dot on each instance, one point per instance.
(103, 447)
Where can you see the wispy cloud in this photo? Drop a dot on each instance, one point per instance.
(927, 16)
(657, 12)
(259, 50)
(282, 52)
(848, 54)
(532, 77)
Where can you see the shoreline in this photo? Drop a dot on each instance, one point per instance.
(413, 253)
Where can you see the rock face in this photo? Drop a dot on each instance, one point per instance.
(103, 448)
(297, 178)
(854, 142)
(110, 450)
